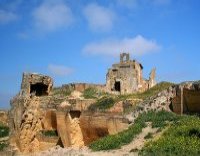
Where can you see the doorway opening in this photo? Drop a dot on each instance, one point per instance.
(117, 86)
(39, 89)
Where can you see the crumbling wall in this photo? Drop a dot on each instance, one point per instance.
(25, 115)
(187, 99)
(30, 82)
(126, 77)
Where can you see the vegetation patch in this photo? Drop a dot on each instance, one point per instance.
(182, 138)
(148, 136)
(4, 131)
(102, 104)
(90, 93)
(3, 145)
(158, 119)
(49, 133)
(61, 91)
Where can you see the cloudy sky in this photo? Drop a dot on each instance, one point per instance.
(77, 40)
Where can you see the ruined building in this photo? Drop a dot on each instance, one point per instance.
(36, 110)
(126, 77)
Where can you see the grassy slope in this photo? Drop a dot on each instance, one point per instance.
(116, 141)
(182, 138)
(107, 101)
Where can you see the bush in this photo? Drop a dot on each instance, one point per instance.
(3, 145)
(61, 91)
(50, 133)
(148, 136)
(159, 119)
(102, 104)
(126, 136)
(4, 131)
(182, 138)
(90, 93)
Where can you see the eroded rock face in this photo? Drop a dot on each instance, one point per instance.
(34, 110)
(97, 125)
(25, 116)
(30, 126)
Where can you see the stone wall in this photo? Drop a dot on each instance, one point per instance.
(36, 84)
(126, 77)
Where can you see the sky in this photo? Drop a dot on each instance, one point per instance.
(78, 40)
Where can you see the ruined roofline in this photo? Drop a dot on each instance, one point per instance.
(34, 73)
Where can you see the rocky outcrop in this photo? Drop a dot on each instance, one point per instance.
(180, 98)
(97, 125)
(35, 110)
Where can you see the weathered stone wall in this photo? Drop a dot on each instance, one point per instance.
(30, 79)
(126, 77)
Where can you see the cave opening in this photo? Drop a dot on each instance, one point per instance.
(75, 114)
(39, 89)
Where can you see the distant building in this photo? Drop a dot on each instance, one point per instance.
(126, 77)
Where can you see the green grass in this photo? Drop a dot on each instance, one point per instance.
(102, 104)
(4, 131)
(50, 133)
(158, 119)
(90, 93)
(3, 145)
(61, 91)
(182, 138)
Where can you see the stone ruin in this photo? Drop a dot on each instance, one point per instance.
(126, 77)
(35, 110)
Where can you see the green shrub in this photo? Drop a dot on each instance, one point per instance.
(61, 91)
(182, 138)
(50, 133)
(116, 141)
(4, 131)
(102, 104)
(159, 119)
(90, 93)
(3, 145)
(148, 136)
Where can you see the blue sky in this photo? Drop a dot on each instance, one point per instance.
(78, 40)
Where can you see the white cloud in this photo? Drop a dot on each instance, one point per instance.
(59, 70)
(99, 17)
(52, 15)
(136, 46)
(7, 16)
